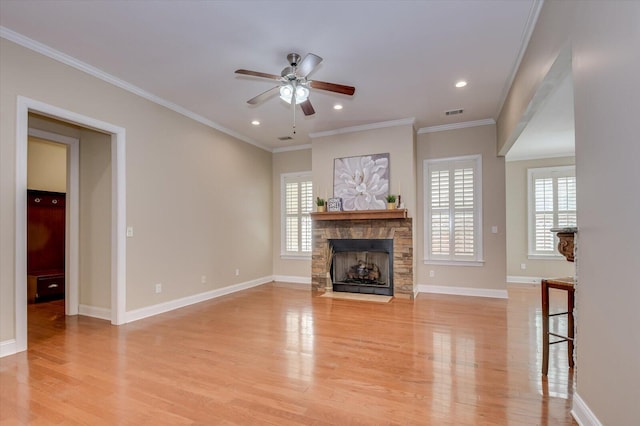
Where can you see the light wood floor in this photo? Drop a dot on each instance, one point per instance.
(277, 355)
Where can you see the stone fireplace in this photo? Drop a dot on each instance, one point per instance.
(369, 231)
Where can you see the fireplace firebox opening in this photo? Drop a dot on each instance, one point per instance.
(362, 266)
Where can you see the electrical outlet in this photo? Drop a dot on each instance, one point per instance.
(203, 279)
(523, 266)
(237, 272)
(494, 229)
(432, 274)
(129, 231)
(158, 288)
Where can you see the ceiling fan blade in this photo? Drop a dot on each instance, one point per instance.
(264, 95)
(308, 64)
(307, 108)
(332, 87)
(258, 74)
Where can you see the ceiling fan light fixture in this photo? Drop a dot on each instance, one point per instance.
(286, 93)
(293, 83)
(302, 93)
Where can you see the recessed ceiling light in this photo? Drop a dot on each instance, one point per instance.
(337, 106)
(461, 83)
(255, 122)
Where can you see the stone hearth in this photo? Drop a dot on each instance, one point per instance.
(398, 230)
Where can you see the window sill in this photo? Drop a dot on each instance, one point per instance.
(454, 262)
(545, 257)
(295, 256)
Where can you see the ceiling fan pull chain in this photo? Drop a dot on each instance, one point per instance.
(293, 105)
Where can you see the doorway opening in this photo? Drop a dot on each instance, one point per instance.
(52, 219)
(117, 216)
(541, 181)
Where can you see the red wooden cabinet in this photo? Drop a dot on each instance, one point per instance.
(46, 219)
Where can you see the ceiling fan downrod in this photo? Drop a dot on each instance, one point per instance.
(293, 59)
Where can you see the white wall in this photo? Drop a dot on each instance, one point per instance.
(518, 223)
(398, 141)
(604, 39)
(95, 220)
(46, 165)
(454, 143)
(287, 162)
(200, 201)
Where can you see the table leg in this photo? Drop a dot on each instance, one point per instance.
(545, 327)
(570, 326)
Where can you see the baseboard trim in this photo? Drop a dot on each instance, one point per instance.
(149, 311)
(582, 413)
(8, 347)
(519, 279)
(463, 291)
(292, 279)
(95, 312)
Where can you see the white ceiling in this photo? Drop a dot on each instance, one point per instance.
(403, 57)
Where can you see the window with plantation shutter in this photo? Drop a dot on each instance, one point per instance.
(297, 203)
(552, 204)
(453, 210)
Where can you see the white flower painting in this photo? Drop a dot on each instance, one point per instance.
(362, 182)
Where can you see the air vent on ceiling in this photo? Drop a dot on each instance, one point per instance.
(453, 112)
(285, 138)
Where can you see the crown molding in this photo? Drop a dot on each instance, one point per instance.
(372, 126)
(532, 19)
(56, 55)
(454, 126)
(292, 148)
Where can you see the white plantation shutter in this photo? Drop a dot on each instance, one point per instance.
(464, 224)
(306, 204)
(440, 234)
(552, 204)
(297, 203)
(566, 202)
(543, 188)
(453, 209)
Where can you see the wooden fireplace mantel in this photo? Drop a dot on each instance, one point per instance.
(361, 215)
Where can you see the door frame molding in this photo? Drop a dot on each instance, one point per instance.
(118, 209)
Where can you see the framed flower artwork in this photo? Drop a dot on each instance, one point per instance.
(362, 182)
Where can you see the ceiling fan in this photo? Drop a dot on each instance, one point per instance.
(294, 85)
